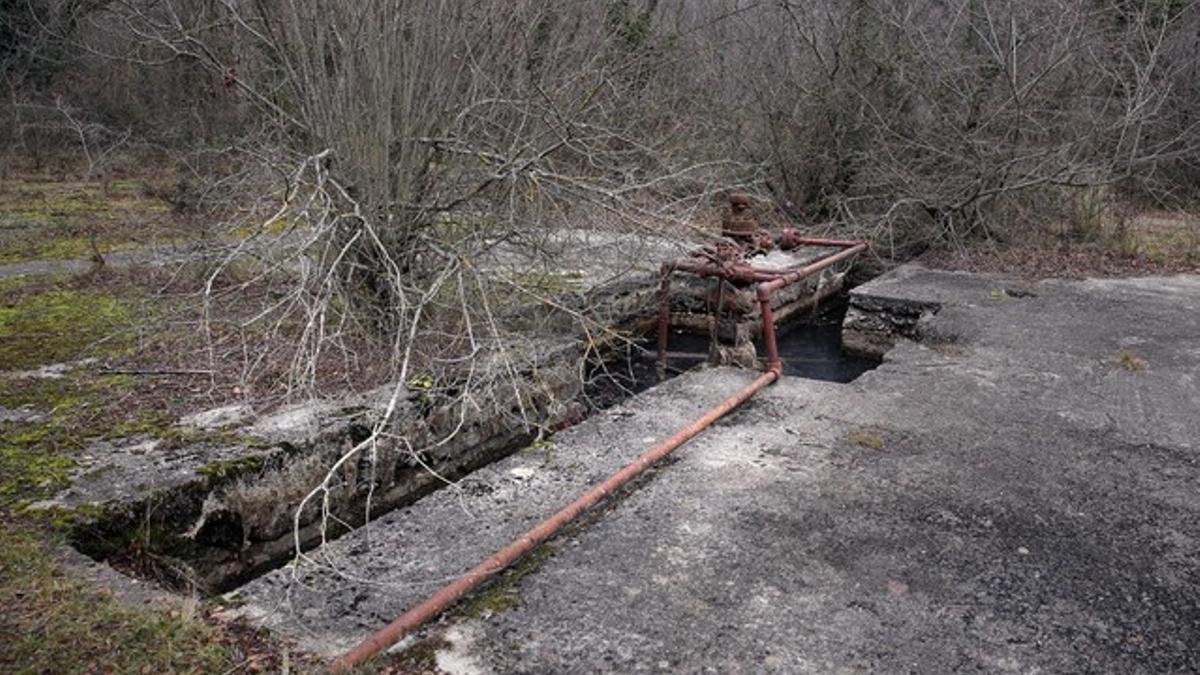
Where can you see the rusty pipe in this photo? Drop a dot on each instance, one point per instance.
(447, 596)
(736, 272)
(766, 288)
(829, 243)
(768, 282)
(768, 328)
(792, 277)
(701, 268)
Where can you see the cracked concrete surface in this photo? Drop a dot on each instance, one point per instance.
(1013, 494)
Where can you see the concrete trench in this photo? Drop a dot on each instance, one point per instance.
(992, 497)
(215, 514)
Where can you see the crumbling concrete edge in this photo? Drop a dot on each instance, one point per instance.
(875, 323)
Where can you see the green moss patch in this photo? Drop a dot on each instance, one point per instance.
(502, 594)
(232, 468)
(49, 220)
(865, 439)
(35, 457)
(60, 325)
(30, 471)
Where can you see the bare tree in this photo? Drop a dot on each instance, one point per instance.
(405, 146)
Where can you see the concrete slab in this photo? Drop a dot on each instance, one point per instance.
(407, 554)
(1018, 493)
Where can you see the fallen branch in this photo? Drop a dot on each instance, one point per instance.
(129, 371)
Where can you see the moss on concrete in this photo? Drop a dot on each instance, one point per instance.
(258, 228)
(866, 439)
(29, 471)
(35, 456)
(502, 594)
(419, 658)
(551, 282)
(229, 469)
(61, 324)
(47, 220)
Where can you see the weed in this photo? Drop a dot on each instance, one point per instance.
(1127, 360)
(866, 439)
(949, 349)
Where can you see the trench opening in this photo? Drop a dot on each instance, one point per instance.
(810, 346)
(148, 539)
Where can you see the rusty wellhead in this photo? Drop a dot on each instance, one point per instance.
(739, 224)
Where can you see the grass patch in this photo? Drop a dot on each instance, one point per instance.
(1166, 237)
(60, 324)
(49, 220)
(53, 623)
(865, 439)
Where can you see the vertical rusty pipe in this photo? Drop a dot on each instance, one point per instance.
(447, 596)
(766, 288)
(768, 327)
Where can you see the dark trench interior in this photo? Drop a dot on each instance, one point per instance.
(810, 346)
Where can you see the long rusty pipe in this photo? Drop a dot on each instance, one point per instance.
(440, 601)
(792, 277)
